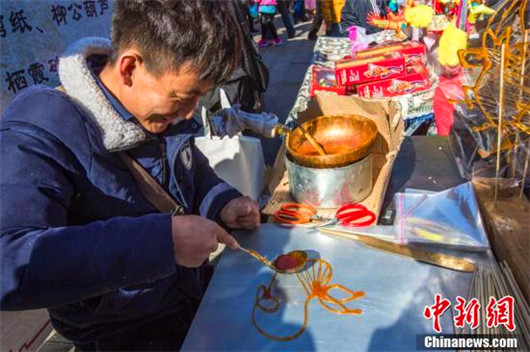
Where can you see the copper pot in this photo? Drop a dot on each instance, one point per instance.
(345, 139)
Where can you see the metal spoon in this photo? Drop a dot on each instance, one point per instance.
(313, 141)
(280, 130)
(300, 255)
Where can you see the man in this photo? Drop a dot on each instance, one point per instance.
(283, 9)
(317, 22)
(331, 11)
(78, 234)
(355, 13)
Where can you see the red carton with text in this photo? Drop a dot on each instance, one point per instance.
(373, 68)
(416, 79)
(414, 52)
(323, 78)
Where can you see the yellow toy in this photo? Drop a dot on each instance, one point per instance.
(419, 16)
(452, 40)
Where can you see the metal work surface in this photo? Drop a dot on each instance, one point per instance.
(423, 162)
(397, 290)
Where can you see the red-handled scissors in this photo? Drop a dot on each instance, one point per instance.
(354, 215)
(294, 213)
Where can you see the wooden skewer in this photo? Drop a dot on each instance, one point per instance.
(525, 169)
(523, 67)
(514, 160)
(523, 64)
(499, 126)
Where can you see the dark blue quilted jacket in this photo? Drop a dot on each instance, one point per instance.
(77, 236)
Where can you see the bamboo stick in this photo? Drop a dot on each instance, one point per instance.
(499, 127)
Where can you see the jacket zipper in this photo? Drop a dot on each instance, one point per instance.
(164, 160)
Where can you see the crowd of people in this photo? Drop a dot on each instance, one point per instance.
(336, 15)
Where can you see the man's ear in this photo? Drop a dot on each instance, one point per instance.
(129, 63)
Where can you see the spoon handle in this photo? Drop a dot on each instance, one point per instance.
(257, 256)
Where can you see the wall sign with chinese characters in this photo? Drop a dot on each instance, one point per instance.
(33, 34)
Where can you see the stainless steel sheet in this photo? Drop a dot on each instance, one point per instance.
(397, 290)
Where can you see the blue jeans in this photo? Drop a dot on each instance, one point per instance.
(286, 17)
(298, 9)
(334, 31)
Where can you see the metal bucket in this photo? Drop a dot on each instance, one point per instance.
(330, 188)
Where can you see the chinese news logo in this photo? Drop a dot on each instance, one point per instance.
(499, 312)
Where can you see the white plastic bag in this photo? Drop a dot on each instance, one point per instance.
(237, 160)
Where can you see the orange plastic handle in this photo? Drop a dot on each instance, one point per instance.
(292, 217)
(299, 208)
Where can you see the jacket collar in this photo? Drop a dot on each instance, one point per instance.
(79, 83)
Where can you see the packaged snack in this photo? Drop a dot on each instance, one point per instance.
(359, 70)
(416, 79)
(323, 78)
(414, 52)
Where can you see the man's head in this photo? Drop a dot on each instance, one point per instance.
(167, 54)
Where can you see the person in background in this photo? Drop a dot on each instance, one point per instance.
(249, 81)
(251, 14)
(331, 10)
(355, 12)
(310, 7)
(267, 10)
(299, 11)
(283, 8)
(317, 21)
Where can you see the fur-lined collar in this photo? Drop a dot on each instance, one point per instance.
(79, 83)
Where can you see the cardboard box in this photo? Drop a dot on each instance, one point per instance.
(416, 79)
(413, 52)
(24, 330)
(373, 68)
(390, 125)
(323, 79)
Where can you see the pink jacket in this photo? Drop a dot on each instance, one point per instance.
(266, 2)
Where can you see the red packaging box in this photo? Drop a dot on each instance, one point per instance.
(416, 79)
(414, 52)
(323, 78)
(373, 68)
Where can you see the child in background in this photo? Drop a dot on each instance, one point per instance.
(310, 7)
(267, 10)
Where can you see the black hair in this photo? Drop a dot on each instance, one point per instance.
(169, 33)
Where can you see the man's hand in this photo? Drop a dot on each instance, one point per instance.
(194, 238)
(240, 213)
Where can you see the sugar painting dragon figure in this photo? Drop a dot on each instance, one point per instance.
(484, 94)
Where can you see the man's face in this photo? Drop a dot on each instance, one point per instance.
(156, 102)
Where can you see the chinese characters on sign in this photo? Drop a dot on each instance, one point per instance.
(16, 80)
(60, 14)
(19, 22)
(34, 34)
(499, 312)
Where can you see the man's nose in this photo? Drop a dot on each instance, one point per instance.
(190, 114)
